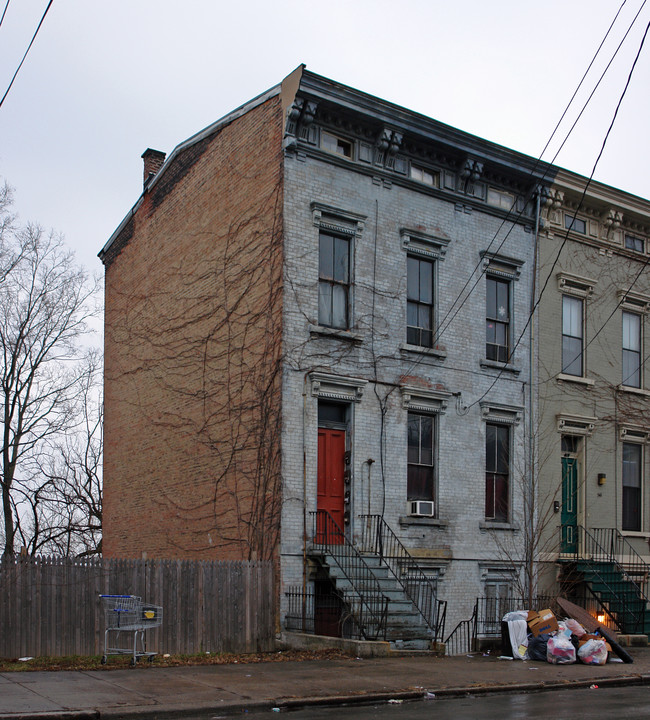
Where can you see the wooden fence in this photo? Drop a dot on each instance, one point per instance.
(51, 606)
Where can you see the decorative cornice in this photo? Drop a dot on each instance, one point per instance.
(424, 399)
(335, 387)
(501, 414)
(575, 424)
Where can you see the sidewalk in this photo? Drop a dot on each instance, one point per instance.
(151, 692)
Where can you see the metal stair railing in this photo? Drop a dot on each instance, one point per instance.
(366, 602)
(618, 547)
(604, 545)
(378, 538)
(461, 638)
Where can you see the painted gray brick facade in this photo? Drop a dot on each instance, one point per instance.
(457, 545)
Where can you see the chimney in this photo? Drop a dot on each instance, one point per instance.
(153, 161)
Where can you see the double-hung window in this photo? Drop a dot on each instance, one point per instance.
(419, 305)
(632, 478)
(572, 335)
(631, 349)
(497, 471)
(421, 456)
(334, 281)
(497, 335)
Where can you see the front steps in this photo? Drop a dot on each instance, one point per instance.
(406, 629)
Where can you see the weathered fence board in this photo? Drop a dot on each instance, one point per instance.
(51, 606)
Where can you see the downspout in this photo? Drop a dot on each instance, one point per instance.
(304, 501)
(531, 398)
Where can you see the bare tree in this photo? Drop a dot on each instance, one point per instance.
(62, 502)
(46, 301)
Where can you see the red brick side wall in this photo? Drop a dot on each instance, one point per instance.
(192, 354)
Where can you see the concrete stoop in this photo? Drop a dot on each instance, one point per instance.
(633, 640)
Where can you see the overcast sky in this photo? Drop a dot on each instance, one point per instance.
(106, 79)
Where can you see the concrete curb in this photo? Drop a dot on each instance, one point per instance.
(157, 712)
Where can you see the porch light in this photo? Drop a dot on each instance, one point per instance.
(601, 618)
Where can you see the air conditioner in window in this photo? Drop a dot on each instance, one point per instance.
(420, 508)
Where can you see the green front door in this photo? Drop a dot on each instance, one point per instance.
(569, 515)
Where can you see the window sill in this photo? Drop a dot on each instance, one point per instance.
(635, 534)
(492, 525)
(633, 390)
(578, 379)
(503, 367)
(437, 352)
(406, 520)
(349, 335)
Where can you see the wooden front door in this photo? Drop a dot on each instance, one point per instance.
(331, 471)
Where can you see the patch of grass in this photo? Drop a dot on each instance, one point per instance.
(121, 662)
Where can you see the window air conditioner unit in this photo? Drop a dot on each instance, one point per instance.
(420, 508)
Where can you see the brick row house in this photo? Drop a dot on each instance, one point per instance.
(322, 348)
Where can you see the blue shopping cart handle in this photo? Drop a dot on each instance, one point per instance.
(117, 596)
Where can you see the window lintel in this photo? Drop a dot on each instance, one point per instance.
(334, 387)
(501, 414)
(634, 433)
(575, 424)
(345, 222)
(577, 285)
(634, 301)
(420, 243)
(424, 399)
(501, 265)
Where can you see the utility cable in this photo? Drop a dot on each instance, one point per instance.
(4, 12)
(451, 312)
(584, 192)
(49, 5)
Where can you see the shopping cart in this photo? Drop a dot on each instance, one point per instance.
(128, 614)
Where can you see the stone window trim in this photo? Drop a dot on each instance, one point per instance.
(501, 266)
(501, 367)
(411, 521)
(500, 414)
(634, 301)
(634, 434)
(414, 242)
(485, 525)
(577, 379)
(575, 285)
(337, 220)
(497, 571)
(582, 425)
(436, 352)
(327, 386)
(352, 336)
(633, 390)
(423, 400)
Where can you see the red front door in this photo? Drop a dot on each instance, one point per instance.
(331, 468)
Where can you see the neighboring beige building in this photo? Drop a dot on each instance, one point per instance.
(592, 389)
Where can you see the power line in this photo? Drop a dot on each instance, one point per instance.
(451, 313)
(4, 12)
(582, 197)
(49, 5)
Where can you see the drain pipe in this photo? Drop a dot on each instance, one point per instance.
(531, 397)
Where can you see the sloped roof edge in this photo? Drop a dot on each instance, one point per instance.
(197, 137)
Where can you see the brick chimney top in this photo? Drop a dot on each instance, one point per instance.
(153, 161)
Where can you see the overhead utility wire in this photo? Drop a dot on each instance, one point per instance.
(49, 5)
(447, 319)
(582, 197)
(4, 12)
